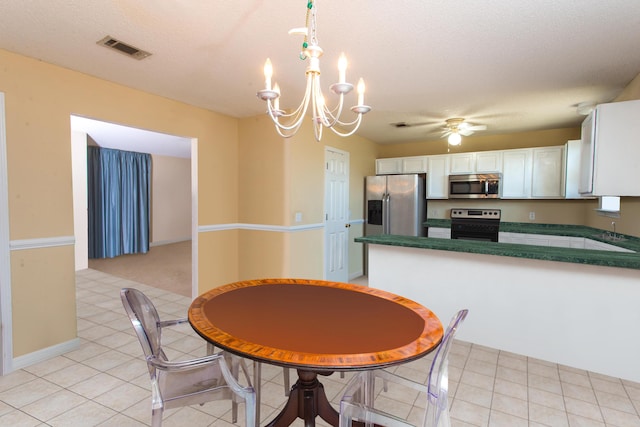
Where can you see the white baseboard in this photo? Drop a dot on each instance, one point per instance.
(45, 354)
(355, 275)
(168, 242)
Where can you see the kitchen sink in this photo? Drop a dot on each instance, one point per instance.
(610, 237)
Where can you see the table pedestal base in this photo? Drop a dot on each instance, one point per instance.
(307, 400)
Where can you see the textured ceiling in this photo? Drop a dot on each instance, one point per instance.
(511, 65)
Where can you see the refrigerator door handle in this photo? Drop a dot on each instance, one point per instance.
(386, 224)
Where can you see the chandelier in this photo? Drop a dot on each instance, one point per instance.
(287, 124)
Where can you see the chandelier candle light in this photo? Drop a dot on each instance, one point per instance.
(321, 115)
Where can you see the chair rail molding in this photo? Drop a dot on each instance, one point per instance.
(259, 227)
(44, 242)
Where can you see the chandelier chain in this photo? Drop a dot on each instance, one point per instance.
(322, 115)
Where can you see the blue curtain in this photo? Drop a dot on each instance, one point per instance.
(119, 186)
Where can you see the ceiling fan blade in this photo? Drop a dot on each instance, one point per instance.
(477, 127)
(465, 132)
(410, 124)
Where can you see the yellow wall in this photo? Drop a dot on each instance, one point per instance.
(43, 295)
(39, 98)
(631, 92)
(282, 176)
(246, 174)
(170, 199)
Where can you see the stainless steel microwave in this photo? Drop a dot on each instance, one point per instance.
(476, 186)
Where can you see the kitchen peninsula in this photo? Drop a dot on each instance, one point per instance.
(577, 307)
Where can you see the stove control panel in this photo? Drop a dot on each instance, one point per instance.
(475, 213)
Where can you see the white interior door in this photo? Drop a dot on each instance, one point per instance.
(336, 204)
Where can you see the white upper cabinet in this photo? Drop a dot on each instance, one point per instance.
(463, 163)
(399, 165)
(526, 173)
(438, 177)
(610, 154)
(572, 168)
(388, 166)
(479, 162)
(489, 161)
(516, 174)
(417, 164)
(547, 180)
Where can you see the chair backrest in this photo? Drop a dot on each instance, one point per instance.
(438, 382)
(145, 320)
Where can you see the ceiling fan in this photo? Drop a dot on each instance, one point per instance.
(456, 127)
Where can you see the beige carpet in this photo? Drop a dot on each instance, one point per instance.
(166, 267)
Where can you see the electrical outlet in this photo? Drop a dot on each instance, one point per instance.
(532, 216)
(298, 216)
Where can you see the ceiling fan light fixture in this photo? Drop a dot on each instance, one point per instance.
(454, 139)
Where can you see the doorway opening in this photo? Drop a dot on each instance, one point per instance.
(171, 261)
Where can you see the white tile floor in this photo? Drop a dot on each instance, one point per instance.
(105, 382)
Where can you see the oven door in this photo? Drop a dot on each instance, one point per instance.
(470, 229)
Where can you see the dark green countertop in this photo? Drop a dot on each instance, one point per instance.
(579, 256)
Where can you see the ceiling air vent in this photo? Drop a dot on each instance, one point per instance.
(123, 48)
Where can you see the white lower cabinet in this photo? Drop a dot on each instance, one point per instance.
(601, 246)
(557, 241)
(440, 233)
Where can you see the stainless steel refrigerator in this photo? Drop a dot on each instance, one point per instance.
(395, 204)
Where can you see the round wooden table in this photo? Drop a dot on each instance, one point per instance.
(316, 327)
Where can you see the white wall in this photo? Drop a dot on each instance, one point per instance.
(80, 213)
(170, 200)
(577, 315)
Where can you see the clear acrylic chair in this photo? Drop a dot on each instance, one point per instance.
(186, 382)
(357, 401)
(257, 381)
